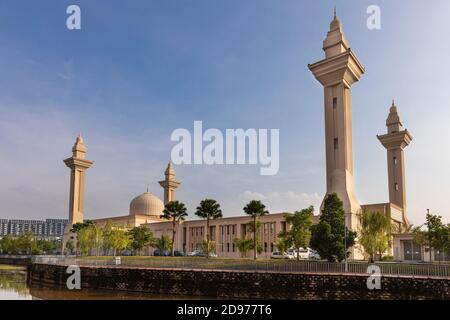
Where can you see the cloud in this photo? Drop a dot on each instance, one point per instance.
(284, 201)
(67, 74)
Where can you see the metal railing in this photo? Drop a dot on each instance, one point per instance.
(387, 268)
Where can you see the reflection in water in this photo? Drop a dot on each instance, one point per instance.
(13, 283)
(13, 286)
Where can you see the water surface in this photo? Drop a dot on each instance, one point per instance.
(13, 286)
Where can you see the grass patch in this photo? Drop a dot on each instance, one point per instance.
(7, 267)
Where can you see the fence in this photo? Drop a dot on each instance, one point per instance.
(401, 269)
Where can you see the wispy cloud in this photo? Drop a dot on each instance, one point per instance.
(288, 201)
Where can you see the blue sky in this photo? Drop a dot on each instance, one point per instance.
(140, 69)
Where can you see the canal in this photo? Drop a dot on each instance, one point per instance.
(13, 286)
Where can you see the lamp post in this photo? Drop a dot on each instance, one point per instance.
(429, 235)
(345, 246)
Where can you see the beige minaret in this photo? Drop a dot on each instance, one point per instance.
(337, 72)
(395, 141)
(78, 166)
(169, 184)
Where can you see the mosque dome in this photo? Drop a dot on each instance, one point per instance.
(146, 204)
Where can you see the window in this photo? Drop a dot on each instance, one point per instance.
(265, 246)
(334, 103)
(396, 186)
(228, 247)
(336, 142)
(395, 161)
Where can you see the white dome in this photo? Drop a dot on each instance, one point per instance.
(146, 204)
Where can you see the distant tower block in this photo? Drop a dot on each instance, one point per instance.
(169, 184)
(395, 141)
(78, 166)
(337, 72)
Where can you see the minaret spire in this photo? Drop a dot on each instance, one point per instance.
(337, 73)
(395, 141)
(169, 183)
(78, 166)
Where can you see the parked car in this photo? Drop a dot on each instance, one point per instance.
(307, 254)
(281, 255)
(159, 253)
(196, 253)
(177, 253)
(126, 253)
(200, 253)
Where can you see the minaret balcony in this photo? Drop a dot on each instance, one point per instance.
(344, 67)
(395, 140)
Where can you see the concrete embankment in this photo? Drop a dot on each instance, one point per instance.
(244, 284)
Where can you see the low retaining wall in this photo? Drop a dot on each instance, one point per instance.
(244, 284)
(15, 260)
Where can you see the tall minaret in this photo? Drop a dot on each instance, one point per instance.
(78, 166)
(169, 184)
(395, 141)
(337, 72)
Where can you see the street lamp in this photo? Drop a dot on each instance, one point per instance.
(345, 245)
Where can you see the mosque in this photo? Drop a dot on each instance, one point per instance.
(337, 72)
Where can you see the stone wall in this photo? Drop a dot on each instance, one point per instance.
(15, 260)
(244, 284)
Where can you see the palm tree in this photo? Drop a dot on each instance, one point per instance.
(208, 209)
(176, 211)
(255, 209)
(162, 244)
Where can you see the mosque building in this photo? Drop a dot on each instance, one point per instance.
(337, 72)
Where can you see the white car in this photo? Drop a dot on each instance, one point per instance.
(280, 255)
(200, 253)
(307, 254)
(195, 253)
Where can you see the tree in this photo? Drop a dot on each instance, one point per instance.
(78, 228)
(375, 233)
(120, 240)
(208, 247)
(243, 245)
(8, 245)
(25, 243)
(163, 244)
(175, 211)
(283, 244)
(435, 236)
(86, 239)
(140, 237)
(329, 235)
(256, 242)
(299, 235)
(107, 237)
(255, 209)
(80, 225)
(208, 209)
(70, 246)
